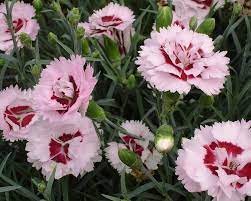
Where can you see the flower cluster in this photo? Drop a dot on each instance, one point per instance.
(113, 21)
(223, 164)
(52, 118)
(23, 22)
(149, 156)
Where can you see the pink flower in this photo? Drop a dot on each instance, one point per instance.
(198, 8)
(175, 59)
(113, 21)
(64, 88)
(23, 22)
(16, 113)
(223, 163)
(149, 156)
(71, 146)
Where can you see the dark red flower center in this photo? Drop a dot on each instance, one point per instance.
(205, 3)
(229, 164)
(19, 116)
(179, 23)
(183, 72)
(59, 148)
(112, 20)
(17, 25)
(63, 99)
(132, 145)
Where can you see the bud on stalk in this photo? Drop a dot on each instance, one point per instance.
(164, 140)
(207, 26)
(52, 38)
(25, 40)
(130, 158)
(96, 112)
(164, 17)
(38, 5)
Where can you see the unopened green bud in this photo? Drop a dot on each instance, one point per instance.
(96, 112)
(74, 16)
(111, 49)
(129, 158)
(164, 139)
(25, 40)
(86, 48)
(38, 5)
(206, 101)
(36, 70)
(52, 38)
(164, 17)
(2, 62)
(80, 32)
(193, 23)
(56, 7)
(131, 82)
(237, 9)
(207, 26)
(41, 186)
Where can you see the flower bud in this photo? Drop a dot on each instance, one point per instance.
(41, 186)
(164, 140)
(25, 40)
(56, 7)
(85, 47)
(80, 32)
(129, 158)
(36, 71)
(207, 26)
(193, 23)
(74, 16)
(206, 101)
(164, 17)
(38, 5)
(2, 62)
(237, 9)
(131, 82)
(111, 49)
(52, 38)
(96, 112)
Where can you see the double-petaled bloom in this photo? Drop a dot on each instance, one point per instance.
(113, 21)
(198, 8)
(64, 88)
(71, 146)
(149, 156)
(176, 59)
(218, 160)
(17, 113)
(23, 22)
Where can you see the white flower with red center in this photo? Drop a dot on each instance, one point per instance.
(149, 156)
(198, 8)
(71, 146)
(114, 21)
(176, 59)
(223, 163)
(16, 113)
(23, 22)
(64, 88)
